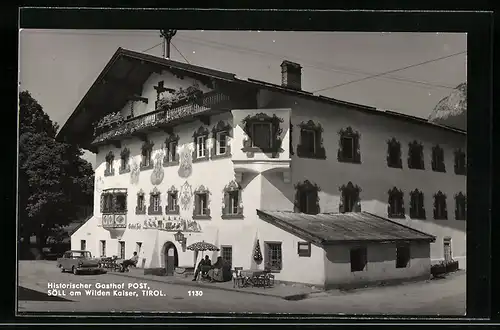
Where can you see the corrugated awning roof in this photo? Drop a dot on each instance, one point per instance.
(335, 228)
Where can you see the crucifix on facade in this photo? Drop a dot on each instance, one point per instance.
(159, 90)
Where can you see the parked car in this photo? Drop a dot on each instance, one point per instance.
(78, 261)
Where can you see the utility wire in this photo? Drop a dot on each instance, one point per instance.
(150, 48)
(387, 72)
(178, 51)
(319, 66)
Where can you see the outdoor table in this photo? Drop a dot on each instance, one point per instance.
(247, 276)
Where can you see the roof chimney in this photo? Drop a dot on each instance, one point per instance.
(291, 75)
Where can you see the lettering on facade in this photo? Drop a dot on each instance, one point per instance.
(167, 225)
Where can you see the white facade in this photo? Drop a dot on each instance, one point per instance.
(268, 184)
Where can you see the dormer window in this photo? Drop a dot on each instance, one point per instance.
(110, 157)
(394, 154)
(460, 162)
(232, 205)
(264, 134)
(155, 203)
(200, 152)
(311, 141)
(349, 146)
(438, 159)
(440, 212)
(306, 198)
(220, 134)
(146, 152)
(171, 157)
(416, 156)
(124, 161)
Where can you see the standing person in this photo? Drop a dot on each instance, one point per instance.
(130, 262)
(203, 262)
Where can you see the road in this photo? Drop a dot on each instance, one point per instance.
(444, 297)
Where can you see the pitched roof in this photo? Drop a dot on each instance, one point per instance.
(142, 65)
(338, 228)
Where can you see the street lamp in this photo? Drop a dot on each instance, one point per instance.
(179, 237)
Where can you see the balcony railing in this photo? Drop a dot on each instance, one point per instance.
(181, 109)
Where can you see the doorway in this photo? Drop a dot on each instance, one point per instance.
(171, 258)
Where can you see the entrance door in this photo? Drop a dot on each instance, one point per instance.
(170, 262)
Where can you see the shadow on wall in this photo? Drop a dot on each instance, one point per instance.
(373, 199)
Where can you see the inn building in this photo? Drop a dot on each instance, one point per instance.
(329, 192)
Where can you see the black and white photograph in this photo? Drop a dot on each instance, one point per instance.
(206, 171)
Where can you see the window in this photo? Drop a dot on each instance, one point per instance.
(110, 157)
(232, 206)
(306, 198)
(304, 249)
(122, 250)
(227, 254)
(460, 162)
(358, 257)
(416, 156)
(114, 201)
(155, 202)
(396, 204)
(394, 154)
(201, 201)
(460, 206)
(146, 151)
(402, 255)
(311, 144)
(221, 133)
(138, 247)
(438, 159)
(172, 201)
(124, 161)
(171, 157)
(141, 204)
(200, 152)
(273, 256)
(440, 212)
(349, 199)
(103, 248)
(417, 209)
(349, 146)
(263, 134)
(83, 245)
(447, 249)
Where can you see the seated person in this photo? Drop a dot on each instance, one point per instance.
(221, 271)
(130, 262)
(202, 267)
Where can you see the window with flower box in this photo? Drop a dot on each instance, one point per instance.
(146, 153)
(416, 156)
(417, 208)
(124, 161)
(396, 208)
(155, 202)
(440, 212)
(349, 150)
(311, 141)
(201, 209)
(172, 201)
(110, 170)
(171, 157)
(221, 147)
(273, 258)
(232, 207)
(438, 159)
(200, 152)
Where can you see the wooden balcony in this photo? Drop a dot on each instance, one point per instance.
(183, 110)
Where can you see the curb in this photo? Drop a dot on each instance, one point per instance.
(293, 297)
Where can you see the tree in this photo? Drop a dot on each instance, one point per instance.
(54, 181)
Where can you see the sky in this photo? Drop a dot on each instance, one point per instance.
(58, 66)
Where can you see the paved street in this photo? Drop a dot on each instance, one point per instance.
(444, 297)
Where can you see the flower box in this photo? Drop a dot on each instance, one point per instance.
(452, 266)
(438, 269)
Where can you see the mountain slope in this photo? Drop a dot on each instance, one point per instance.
(452, 110)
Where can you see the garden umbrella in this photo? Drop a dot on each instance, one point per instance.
(202, 246)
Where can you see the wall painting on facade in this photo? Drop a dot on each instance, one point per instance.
(158, 173)
(99, 184)
(186, 195)
(134, 172)
(171, 224)
(186, 163)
